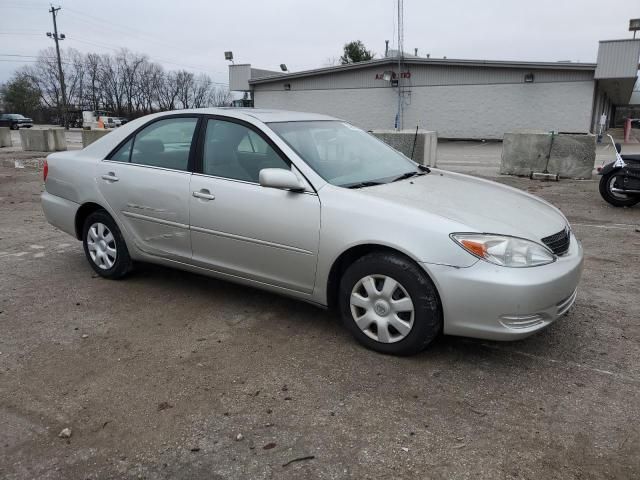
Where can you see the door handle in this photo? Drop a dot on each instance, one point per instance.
(204, 194)
(110, 177)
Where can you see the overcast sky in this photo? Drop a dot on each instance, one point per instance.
(307, 34)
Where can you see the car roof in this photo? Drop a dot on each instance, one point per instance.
(262, 114)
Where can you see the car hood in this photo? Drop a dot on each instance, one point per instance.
(480, 205)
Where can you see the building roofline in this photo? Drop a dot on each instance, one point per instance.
(427, 61)
(620, 40)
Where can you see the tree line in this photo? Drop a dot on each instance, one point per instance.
(125, 84)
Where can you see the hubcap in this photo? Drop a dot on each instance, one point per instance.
(382, 308)
(102, 246)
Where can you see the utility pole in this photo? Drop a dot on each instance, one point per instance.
(57, 38)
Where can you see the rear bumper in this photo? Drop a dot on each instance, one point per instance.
(497, 303)
(60, 212)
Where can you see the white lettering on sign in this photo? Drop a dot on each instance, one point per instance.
(380, 76)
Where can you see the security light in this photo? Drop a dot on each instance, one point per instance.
(387, 75)
(283, 67)
(287, 86)
(49, 34)
(634, 26)
(228, 55)
(62, 36)
(528, 78)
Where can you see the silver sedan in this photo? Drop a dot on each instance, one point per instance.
(312, 207)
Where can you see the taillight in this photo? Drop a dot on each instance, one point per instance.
(45, 170)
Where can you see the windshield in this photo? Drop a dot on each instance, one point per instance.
(342, 154)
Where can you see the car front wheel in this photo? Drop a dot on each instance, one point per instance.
(389, 304)
(104, 246)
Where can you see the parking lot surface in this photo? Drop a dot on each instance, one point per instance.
(170, 375)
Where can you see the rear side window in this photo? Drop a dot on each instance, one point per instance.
(165, 143)
(123, 153)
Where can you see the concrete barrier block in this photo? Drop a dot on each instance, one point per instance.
(90, 136)
(572, 155)
(36, 140)
(422, 147)
(5, 137)
(59, 139)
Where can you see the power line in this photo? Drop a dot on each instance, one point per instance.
(25, 34)
(117, 48)
(121, 29)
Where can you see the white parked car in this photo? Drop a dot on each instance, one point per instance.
(312, 207)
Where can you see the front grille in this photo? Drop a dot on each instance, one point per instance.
(558, 242)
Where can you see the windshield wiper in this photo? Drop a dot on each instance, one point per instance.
(408, 175)
(362, 184)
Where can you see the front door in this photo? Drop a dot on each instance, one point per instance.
(146, 184)
(240, 228)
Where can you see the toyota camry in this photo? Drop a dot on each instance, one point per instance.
(312, 207)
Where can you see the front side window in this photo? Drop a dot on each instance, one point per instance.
(342, 154)
(165, 143)
(236, 152)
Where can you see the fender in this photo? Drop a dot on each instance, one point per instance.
(608, 168)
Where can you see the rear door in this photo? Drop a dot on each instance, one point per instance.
(240, 228)
(146, 183)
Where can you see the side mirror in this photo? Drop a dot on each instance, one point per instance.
(280, 178)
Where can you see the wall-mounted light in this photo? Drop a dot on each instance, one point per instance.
(287, 86)
(228, 56)
(387, 75)
(528, 78)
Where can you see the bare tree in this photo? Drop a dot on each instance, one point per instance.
(201, 93)
(220, 97)
(93, 95)
(168, 91)
(124, 83)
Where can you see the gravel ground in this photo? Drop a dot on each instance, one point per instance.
(170, 375)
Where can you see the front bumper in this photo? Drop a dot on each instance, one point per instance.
(498, 303)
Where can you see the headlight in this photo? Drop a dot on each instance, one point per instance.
(504, 251)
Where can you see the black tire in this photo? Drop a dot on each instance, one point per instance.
(610, 197)
(427, 320)
(122, 264)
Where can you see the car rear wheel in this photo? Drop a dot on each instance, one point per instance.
(389, 304)
(104, 246)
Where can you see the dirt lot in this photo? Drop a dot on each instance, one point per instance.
(158, 374)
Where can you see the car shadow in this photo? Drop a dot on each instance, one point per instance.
(284, 312)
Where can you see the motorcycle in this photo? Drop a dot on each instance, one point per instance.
(620, 182)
